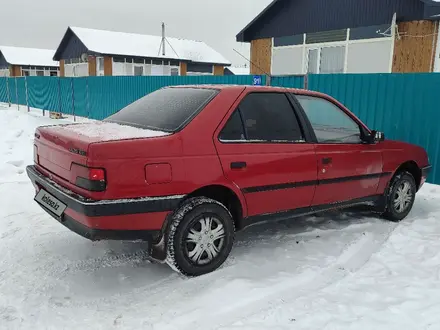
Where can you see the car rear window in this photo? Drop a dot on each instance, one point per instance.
(168, 109)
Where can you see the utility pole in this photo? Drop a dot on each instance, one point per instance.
(163, 38)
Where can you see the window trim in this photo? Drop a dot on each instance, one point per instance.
(319, 48)
(363, 129)
(307, 138)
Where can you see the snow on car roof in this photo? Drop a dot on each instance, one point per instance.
(132, 44)
(28, 56)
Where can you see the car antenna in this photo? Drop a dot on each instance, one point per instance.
(252, 63)
(269, 76)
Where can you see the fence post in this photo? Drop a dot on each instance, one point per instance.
(73, 98)
(306, 81)
(7, 91)
(87, 97)
(27, 93)
(16, 94)
(268, 80)
(60, 107)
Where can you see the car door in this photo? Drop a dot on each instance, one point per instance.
(348, 168)
(263, 150)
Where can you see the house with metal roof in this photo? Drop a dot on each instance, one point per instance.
(20, 61)
(344, 36)
(91, 52)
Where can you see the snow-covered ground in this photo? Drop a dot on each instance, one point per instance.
(335, 271)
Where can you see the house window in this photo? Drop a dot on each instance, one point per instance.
(326, 59)
(195, 69)
(313, 61)
(174, 71)
(332, 60)
(100, 66)
(4, 72)
(138, 70)
(144, 67)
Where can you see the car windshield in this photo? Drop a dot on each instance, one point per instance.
(168, 109)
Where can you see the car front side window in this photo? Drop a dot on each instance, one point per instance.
(329, 122)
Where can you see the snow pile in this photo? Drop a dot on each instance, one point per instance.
(334, 271)
(16, 144)
(239, 70)
(105, 131)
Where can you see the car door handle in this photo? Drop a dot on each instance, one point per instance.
(238, 165)
(327, 161)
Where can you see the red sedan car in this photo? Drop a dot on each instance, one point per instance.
(185, 167)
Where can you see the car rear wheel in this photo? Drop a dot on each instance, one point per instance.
(200, 237)
(400, 197)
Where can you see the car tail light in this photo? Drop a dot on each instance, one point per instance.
(89, 178)
(96, 174)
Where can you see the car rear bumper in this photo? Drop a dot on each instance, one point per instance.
(125, 219)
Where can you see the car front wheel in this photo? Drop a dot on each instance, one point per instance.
(200, 237)
(400, 197)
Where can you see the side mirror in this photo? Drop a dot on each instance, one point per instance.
(377, 136)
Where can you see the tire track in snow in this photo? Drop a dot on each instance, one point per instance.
(354, 256)
(174, 281)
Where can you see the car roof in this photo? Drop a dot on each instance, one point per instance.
(252, 88)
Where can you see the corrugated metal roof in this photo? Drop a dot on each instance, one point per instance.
(132, 44)
(291, 17)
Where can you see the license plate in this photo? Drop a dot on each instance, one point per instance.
(49, 202)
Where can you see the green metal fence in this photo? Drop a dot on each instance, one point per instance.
(4, 95)
(289, 81)
(404, 106)
(97, 97)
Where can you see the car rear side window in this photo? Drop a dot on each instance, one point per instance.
(168, 109)
(234, 129)
(270, 117)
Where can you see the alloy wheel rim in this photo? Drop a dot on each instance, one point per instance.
(403, 197)
(204, 240)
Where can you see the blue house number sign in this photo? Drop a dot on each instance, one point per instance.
(257, 81)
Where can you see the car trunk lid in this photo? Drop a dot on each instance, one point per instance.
(58, 147)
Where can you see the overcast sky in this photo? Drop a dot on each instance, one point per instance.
(42, 23)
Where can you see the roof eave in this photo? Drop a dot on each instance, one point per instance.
(240, 36)
(6, 60)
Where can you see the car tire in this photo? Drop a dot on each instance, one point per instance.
(400, 196)
(200, 236)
